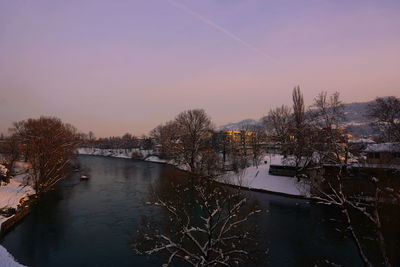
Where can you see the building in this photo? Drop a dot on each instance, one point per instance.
(241, 136)
(357, 146)
(385, 153)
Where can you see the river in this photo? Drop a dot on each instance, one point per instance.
(92, 223)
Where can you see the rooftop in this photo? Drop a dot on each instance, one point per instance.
(384, 147)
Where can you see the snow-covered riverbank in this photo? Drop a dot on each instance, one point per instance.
(115, 153)
(17, 189)
(146, 155)
(10, 196)
(7, 260)
(254, 178)
(258, 178)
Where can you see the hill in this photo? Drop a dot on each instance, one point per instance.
(356, 122)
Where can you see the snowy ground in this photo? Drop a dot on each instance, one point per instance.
(15, 190)
(10, 196)
(259, 178)
(156, 159)
(7, 260)
(12, 193)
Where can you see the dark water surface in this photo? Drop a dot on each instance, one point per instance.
(91, 223)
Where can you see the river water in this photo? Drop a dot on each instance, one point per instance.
(92, 223)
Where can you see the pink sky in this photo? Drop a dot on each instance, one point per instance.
(125, 66)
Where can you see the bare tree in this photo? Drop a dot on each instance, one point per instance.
(327, 116)
(291, 129)
(195, 128)
(240, 145)
(278, 121)
(386, 113)
(10, 151)
(146, 143)
(300, 133)
(298, 108)
(235, 155)
(91, 136)
(167, 136)
(211, 229)
(210, 162)
(49, 146)
(256, 139)
(221, 145)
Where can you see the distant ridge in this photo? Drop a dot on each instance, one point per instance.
(235, 126)
(356, 122)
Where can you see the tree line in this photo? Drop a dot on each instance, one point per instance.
(310, 137)
(127, 141)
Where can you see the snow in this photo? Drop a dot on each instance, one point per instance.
(156, 159)
(7, 260)
(115, 153)
(10, 196)
(146, 155)
(21, 171)
(384, 147)
(361, 141)
(16, 189)
(258, 178)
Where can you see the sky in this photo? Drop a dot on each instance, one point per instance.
(113, 67)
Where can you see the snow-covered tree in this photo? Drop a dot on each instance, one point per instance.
(360, 210)
(207, 225)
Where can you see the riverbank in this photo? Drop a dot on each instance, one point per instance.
(12, 196)
(133, 153)
(258, 178)
(251, 178)
(7, 260)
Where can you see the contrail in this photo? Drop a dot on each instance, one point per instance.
(219, 28)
